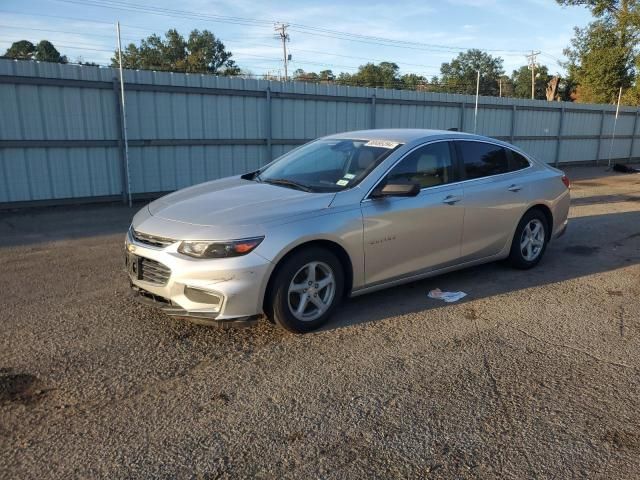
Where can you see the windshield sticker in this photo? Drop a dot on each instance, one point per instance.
(349, 176)
(342, 182)
(381, 143)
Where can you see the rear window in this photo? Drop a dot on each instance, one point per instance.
(517, 161)
(483, 159)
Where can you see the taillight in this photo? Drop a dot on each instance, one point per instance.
(566, 181)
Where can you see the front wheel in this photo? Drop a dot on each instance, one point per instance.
(306, 290)
(529, 241)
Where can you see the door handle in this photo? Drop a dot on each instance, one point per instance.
(451, 199)
(514, 188)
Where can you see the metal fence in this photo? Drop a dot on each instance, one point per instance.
(61, 127)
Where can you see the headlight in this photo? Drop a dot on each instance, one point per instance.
(233, 248)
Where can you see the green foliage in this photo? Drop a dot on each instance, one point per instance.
(507, 86)
(21, 50)
(202, 52)
(413, 81)
(602, 55)
(521, 79)
(624, 13)
(46, 52)
(43, 52)
(600, 62)
(460, 75)
(323, 76)
(385, 74)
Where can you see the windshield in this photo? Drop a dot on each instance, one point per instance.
(327, 165)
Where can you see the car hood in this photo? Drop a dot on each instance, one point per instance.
(236, 202)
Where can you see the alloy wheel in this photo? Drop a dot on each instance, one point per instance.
(311, 291)
(532, 240)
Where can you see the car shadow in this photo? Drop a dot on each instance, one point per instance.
(592, 244)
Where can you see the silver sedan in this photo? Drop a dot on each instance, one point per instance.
(341, 216)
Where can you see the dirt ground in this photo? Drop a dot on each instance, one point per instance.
(533, 375)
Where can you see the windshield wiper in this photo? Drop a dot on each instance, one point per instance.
(287, 183)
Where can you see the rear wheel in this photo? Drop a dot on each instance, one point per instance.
(306, 290)
(529, 241)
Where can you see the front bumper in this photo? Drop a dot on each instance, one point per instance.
(237, 285)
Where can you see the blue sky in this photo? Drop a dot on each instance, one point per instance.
(504, 28)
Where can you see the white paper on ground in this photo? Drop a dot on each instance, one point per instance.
(446, 296)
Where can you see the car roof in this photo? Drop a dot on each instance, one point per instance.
(406, 135)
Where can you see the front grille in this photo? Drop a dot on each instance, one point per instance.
(151, 240)
(154, 272)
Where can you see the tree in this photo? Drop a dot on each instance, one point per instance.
(202, 52)
(625, 14)
(385, 74)
(599, 63)
(43, 52)
(602, 55)
(413, 81)
(300, 75)
(81, 61)
(521, 79)
(21, 50)
(460, 75)
(46, 52)
(507, 86)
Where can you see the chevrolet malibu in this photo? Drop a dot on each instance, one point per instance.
(341, 216)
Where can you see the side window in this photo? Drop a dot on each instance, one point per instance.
(483, 159)
(517, 161)
(429, 166)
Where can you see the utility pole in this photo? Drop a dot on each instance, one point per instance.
(613, 134)
(532, 66)
(500, 85)
(284, 36)
(475, 113)
(124, 114)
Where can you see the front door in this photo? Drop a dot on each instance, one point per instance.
(403, 236)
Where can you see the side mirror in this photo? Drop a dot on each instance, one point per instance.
(397, 189)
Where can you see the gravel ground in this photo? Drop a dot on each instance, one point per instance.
(534, 375)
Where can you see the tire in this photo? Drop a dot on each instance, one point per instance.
(293, 303)
(529, 243)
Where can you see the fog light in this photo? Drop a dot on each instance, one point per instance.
(203, 296)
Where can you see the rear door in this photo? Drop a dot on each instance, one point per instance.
(495, 193)
(408, 235)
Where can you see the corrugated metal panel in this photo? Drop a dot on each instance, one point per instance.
(88, 112)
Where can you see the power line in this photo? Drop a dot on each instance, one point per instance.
(306, 29)
(295, 27)
(66, 32)
(73, 47)
(62, 17)
(363, 58)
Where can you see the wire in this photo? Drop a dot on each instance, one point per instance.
(73, 47)
(304, 29)
(300, 28)
(112, 37)
(362, 58)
